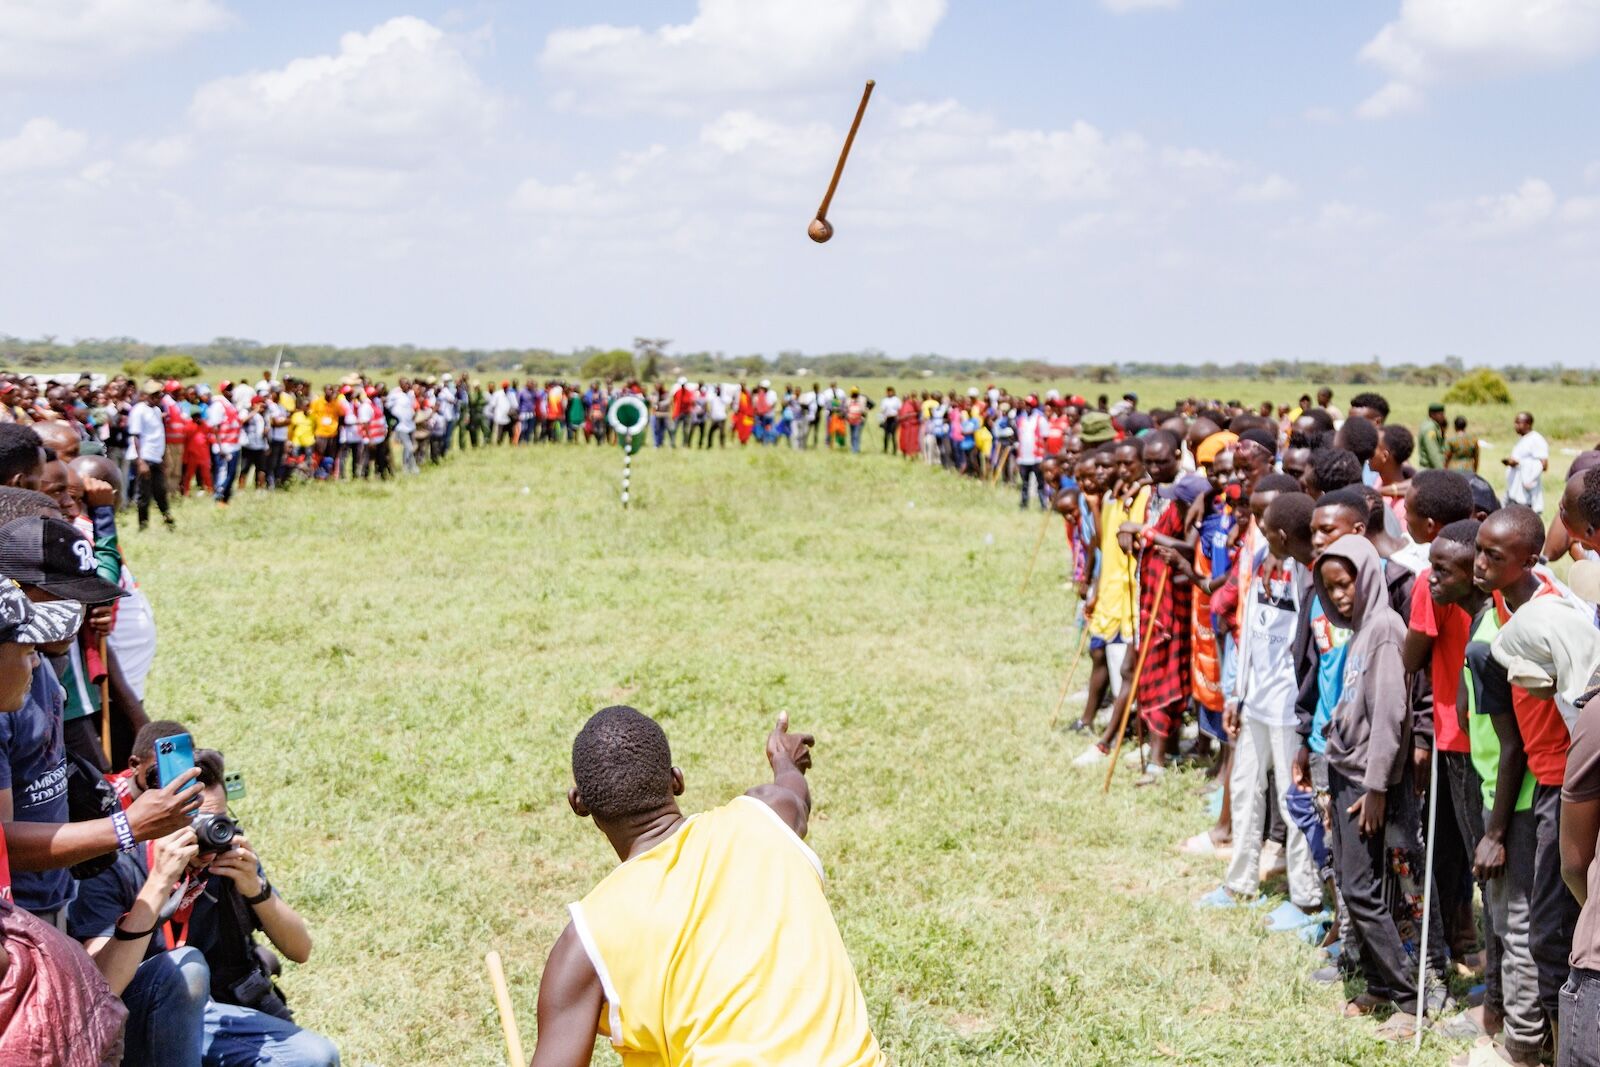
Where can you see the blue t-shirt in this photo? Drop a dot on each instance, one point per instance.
(1331, 642)
(105, 898)
(33, 765)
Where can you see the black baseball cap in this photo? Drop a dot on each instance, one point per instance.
(54, 555)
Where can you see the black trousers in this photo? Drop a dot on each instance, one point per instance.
(1361, 863)
(889, 443)
(718, 432)
(153, 483)
(1551, 903)
(275, 464)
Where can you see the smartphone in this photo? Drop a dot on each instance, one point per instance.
(174, 755)
(233, 783)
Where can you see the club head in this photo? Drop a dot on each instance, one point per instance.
(820, 230)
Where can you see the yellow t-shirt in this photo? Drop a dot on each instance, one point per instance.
(717, 948)
(300, 434)
(325, 413)
(1116, 605)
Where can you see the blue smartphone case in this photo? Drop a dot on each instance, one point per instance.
(174, 755)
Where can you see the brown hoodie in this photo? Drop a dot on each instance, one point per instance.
(1369, 739)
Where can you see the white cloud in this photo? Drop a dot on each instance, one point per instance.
(1440, 40)
(1395, 98)
(398, 96)
(1123, 7)
(734, 47)
(1532, 203)
(1580, 209)
(50, 40)
(42, 144)
(1273, 187)
(160, 153)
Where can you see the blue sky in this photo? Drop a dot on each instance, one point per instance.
(1071, 180)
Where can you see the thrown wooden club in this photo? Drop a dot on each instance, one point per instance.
(1133, 686)
(508, 1018)
(821, 229)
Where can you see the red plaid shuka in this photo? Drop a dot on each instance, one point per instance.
(1164, 683)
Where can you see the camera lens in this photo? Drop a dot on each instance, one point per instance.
(214, 833)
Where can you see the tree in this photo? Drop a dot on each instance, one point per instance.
(173, 365)
(614, 365)
(649, 352)
(1482, 386)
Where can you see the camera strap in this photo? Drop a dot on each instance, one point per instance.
(179, 906)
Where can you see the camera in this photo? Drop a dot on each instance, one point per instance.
(214, 832)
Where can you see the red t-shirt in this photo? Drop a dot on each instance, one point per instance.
(1544, 733)
(1449, 627)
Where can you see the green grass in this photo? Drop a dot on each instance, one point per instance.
(399, 670)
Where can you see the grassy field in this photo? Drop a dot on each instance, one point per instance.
(399, 670)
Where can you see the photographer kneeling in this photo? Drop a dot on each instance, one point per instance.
(170, 926)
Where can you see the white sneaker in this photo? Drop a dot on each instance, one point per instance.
(1090, 757)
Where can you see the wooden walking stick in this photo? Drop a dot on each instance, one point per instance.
(1083, 642)
(821, 229)
(508, 1018)
(105, 704)
(1138, 669)
(1026, 578)
(1000, 465)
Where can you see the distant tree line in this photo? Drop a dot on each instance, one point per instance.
(650, 358)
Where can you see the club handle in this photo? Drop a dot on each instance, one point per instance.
(850, 139)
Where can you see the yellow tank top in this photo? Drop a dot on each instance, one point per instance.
(717, 948)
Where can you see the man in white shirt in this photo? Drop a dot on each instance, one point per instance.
(889, 411)
(446, 410)
(716, 417)
(227, 427)
(147, 442)
(1030, 450)
(404, 409)
(1529, 459)
(501, 405)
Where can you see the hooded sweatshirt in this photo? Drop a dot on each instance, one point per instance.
(1369, 738)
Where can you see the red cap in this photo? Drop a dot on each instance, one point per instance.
(172, 385)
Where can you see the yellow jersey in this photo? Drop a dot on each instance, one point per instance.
(1116, 606)
(717, 948)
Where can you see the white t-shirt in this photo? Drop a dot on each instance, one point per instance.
(1271, 609)
(1525, 481)
(716, 407)
(146, 424)
(404, 410)
(890, 408)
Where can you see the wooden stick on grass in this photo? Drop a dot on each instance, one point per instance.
(508, 1017)
(1083, 642)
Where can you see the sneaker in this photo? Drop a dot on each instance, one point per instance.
(1092, 756)
(1078, 726)
(1328, 975)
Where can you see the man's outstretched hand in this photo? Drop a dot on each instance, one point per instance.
(786, 748)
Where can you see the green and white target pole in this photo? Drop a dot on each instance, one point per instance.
(628, 416)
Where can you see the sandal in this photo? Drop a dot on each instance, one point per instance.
(1363, 1004)
(1401, 1026)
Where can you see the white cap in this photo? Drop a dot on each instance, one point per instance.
(973, 391)
(766, 383)
(683, 381)
(1052, 395)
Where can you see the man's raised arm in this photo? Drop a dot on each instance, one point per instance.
(788, 794)
(570, 998)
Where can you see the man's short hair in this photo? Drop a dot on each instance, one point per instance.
(1460, 532)
(1262, 437)
(1165, 437)
(621, 763)
(1398, 440)
(1360, 436)
(1277, 483)
(1350, 499)
(1372, 402)
(1441, 496)
(1589, 497)
(1320, 416)
(1523, 523)
(19, 450)
(16, 503)
(144, 742)
(1335, 468)
(1483, 498)
(1291, 513)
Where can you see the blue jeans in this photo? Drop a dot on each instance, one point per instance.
(224, 472)
(855, 437)
(173, 1022)
(1580, 1020)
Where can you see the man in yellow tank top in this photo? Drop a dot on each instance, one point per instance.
(712, 944)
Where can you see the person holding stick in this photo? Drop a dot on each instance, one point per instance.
(712, 941)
